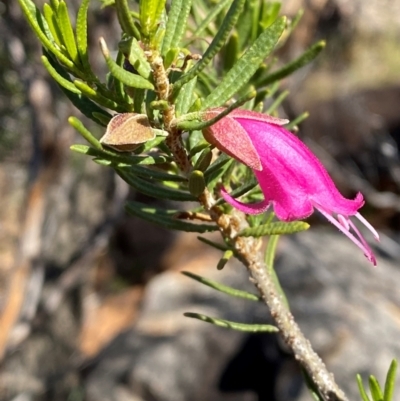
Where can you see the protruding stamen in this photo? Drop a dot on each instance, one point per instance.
(343, 221)
(361, 243)
(368, 225)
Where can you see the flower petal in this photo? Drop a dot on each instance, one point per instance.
(230, 137)
(300, 174)
(248, 208)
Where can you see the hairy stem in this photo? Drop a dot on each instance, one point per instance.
(162, 85)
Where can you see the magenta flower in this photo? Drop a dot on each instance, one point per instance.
(291, 178)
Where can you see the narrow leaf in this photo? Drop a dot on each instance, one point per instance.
(67, 32)
(191, 122)
(98, 98)
(225, 259)
(249, 328)
(361, 389)
(165, 218)
(136, 57)
(50, 17)
(82, 103)
(375, 389)
(219, 6)
(185, 98)
(212, 175)
(82, 34)
(78, 125)
(215, 46)
(270, 253)
(118, 157)
(231, 52)
(150, 14)
(151, 173)
(36, 21)
(156, 191)
(246, 66)
(390, 381)
(213, 244)
(308, 56)
(222, 288)
(276, 228)
(126, 77)
(293, 124)
(125, 18)
(176, 25)
(277, 102)
(65, 83)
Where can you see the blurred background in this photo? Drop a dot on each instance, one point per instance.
(91, 300)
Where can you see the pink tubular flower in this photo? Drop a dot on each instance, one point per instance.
(291, 178)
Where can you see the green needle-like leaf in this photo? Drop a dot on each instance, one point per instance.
(67, 32)
(151, 173)
(297, 121)
(222, 288)
(219, 6)
(156, 191)
(100, 99)
(165, 218)
(51, 19)
(136, 57)
(150, 14)
(269, 262)
(217, 170)
(277, 102)
(65, 83)
(82, 35)
(118, 157)
(271, 251)
(125, 18)
(231, 52)
(375, 389)
(176, 25)
(361, 389)
(276, 228)
(185, 98)
(250, 328)
(390, 381)
(78, 125)
(225, 259)
(213, 244)
(126, 77)
(190, 122)
(215, 46)
(82, 103)
(40, 27)
(246, 66)
(309, 55)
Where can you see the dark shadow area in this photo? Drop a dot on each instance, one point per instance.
(258, 366)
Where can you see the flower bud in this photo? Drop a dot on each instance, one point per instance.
(197, 183)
